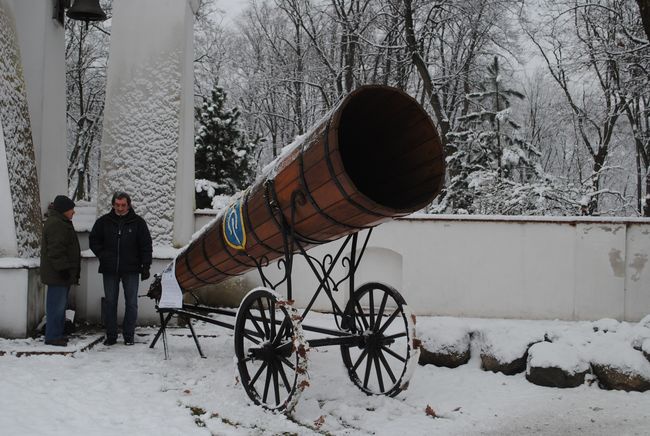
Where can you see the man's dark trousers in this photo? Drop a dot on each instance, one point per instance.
(111, 293)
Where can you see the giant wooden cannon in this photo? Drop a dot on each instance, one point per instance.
(374, 157)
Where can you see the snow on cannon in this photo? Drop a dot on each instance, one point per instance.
(374, 157)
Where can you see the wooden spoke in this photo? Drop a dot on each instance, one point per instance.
(265, 323)
(255, 323)
(394, 354)
(258, 373)
(361, 316)
(285, 380)
(288, 363)
(272, 318)
(380, 379)
(368, 369)
(382, 306)
(281, 332)
(386, 366)
(396, 336)
(267, 384)
(371, 308)
(251, 336)
(361, 357)
(390, 320)
(276, 384)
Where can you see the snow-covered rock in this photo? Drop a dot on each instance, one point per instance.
(556, 365)
(504, 350)
(645, 349)
(445, 347)
(606, 325)
(645, 322)
(619, 366)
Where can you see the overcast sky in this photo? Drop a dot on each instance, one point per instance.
(231, 8)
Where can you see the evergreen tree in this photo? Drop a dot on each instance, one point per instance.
(223, 155)
(488, 159)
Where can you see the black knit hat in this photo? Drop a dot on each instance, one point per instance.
(62, 204)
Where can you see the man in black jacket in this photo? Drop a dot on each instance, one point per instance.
(122, 243)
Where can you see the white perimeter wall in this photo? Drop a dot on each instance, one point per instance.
(88, 295)
(527, 268)
(13, 302)
(535, 268)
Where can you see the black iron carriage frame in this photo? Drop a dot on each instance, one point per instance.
(354, 327)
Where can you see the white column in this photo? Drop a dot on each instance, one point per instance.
(21, 296)
(8, 242)
(42, 46)
(18, 172)
(147, 141)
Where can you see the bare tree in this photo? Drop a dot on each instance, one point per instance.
(86, 57)
(211, 53)
(587, 80)
(644, 9)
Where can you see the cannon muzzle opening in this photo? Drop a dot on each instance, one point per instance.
(390, 149)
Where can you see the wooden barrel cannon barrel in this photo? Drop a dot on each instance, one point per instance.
(374, 157)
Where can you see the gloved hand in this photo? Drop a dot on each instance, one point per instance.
(144, 273)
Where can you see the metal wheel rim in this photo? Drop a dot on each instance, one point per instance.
(379, 366)
(270, 350)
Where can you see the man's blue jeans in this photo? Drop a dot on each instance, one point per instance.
(111, 294)
(55, 304)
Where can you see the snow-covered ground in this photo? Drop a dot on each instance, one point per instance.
(134, 391)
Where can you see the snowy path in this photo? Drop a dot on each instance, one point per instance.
(132, 390)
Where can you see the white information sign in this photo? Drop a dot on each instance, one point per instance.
(172, 295)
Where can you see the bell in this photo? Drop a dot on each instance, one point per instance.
(86, 10)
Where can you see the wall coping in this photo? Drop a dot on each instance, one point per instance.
(212, 212)
(19, 263)
(527, 219)
(418, 216)
(159, 252)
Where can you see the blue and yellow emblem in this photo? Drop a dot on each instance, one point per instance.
(233, 226)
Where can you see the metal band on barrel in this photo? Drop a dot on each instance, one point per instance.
(189, 268)
(251, 228)
(213, 266)
(312, 200)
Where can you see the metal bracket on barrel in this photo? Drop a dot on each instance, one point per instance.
(295, 243)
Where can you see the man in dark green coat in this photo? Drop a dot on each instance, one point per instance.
(60, 266)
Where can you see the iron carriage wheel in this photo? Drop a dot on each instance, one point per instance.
(382, 361)
(270, 350)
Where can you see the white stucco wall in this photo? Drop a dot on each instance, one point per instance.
(13, 302)
(88, 295)
(573, 269)
(637, 271)
(22, 298)
(536, 268)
